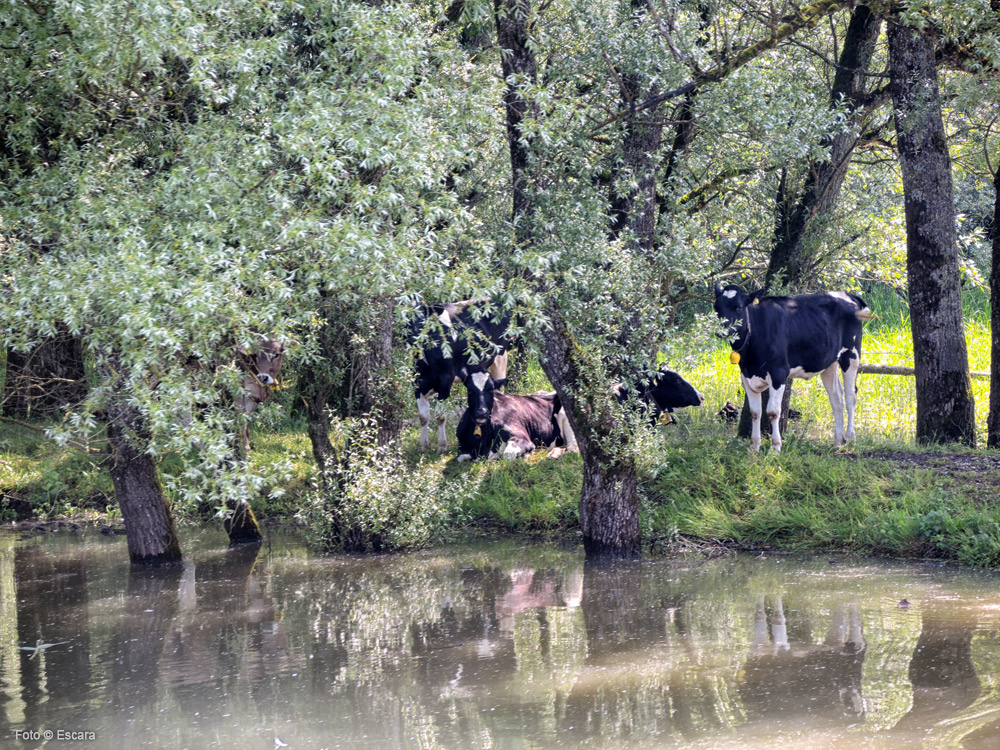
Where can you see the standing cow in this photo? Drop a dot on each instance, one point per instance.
(777, 338)
(465, 341)
(518, 423)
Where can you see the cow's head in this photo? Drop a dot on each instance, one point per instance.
(480, 386)
(670, 391)
(263, 367)
(731, 304)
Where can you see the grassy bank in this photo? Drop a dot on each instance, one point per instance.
(882, 496)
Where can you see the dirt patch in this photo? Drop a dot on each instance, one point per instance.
(947, 463)
(976, 476)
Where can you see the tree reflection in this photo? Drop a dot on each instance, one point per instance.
(137, 645)
(941, 671)
(52, 678)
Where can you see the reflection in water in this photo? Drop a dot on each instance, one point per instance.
(788, 678)
(495, 645)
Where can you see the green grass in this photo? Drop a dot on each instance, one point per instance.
(811, 497)
(536, 494)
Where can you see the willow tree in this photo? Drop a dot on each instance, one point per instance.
(212, 175)
(587, 153)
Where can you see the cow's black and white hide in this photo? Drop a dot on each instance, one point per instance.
(663, 392)
(495, 423)
(464, 340)
(777, 338)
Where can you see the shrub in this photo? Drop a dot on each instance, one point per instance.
(371, 501)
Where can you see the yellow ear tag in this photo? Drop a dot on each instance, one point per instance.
(756, 300)
(478, 432)
(734, 357)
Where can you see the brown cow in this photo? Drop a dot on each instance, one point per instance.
(262, 369)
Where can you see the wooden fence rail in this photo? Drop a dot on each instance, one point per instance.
(874, 369)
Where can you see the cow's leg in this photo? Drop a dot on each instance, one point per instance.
(774, 398)
(442, 420)
(753, 402)
(851, 394)
(831, 382)
(517, 448)
(518, 445)
(424, 414)
(569, 439)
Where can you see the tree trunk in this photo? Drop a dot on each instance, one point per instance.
(945, 408)
(609, 503)
(242, 525)
(43, 380)
(149, 526)
(375, 391)
(517, 60)
(993, 419)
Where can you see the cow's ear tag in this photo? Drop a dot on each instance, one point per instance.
(478, 432)
(734, 357)
(756, 300)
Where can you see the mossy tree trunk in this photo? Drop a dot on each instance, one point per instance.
(993, 419)
(945, 407)
(149, 525)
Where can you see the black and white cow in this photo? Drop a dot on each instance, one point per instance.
(467, 341)
(663, 392)
(518, 423)
(777, 338)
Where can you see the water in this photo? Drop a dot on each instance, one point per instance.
(491, 645)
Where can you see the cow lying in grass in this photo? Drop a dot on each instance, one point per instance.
(515, 424)
(663, 393)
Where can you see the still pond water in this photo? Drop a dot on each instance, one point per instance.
(489, 645)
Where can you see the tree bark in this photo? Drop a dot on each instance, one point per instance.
(993, 418)
(149, 525)
(609, 502)
(945, 407)
(43, 380)
(242, 525)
